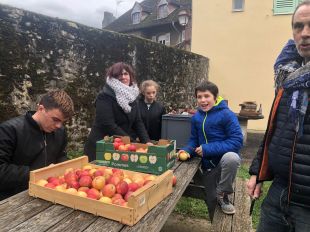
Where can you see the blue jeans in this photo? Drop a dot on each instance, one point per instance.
(278, 216)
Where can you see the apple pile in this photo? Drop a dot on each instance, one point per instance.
(109, 185)
(120, 146)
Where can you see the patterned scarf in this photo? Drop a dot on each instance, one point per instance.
(296, 80)
(124, 94)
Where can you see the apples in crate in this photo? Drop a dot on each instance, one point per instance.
(109, 185)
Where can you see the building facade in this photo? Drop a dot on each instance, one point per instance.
(242, 40)
(163, 21)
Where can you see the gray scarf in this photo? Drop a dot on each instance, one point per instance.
(124, 94)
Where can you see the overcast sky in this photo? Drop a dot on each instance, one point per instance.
(88, 12)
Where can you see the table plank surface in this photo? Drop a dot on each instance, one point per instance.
(24, 213)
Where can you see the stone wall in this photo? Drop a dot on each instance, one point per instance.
(40, 53)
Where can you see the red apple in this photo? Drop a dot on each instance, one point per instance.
(133, 186)
(108, 190)
(128, 194)
(73, 184)
(122, 188)
(174, 180)
(70, 176)
(98, 182)
(50, 185)
(118, 140)
(85, 181)
(83, 173)
(98, 173)
(119, 173)
(54, 180)
(83, 189)
(118, 202)
(93, 193)
(122, 147)
(116, 145)
(117, 196)
(132, 147)
(114, 180)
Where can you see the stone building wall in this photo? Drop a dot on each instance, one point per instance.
(40, 53)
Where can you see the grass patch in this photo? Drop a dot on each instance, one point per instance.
(192, 207)
(258, 203)
(243, 173)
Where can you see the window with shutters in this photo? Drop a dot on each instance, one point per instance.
(238, 5)
(285, 6)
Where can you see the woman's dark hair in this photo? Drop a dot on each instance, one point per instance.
(207, 86)
(116, 70)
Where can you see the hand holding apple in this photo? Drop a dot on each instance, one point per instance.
(183, 155)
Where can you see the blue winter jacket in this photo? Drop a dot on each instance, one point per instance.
(217, 131)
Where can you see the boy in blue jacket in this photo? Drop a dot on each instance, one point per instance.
(217, 138)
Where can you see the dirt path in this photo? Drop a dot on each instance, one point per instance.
(180, 223)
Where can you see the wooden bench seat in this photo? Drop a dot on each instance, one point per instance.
(241, 221)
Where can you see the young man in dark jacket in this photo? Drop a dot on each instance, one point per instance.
(33, 141)
(284, 154)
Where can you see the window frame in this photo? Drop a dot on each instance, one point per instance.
(164, 39)
(234, 9)
(136, 17)
(162, 11)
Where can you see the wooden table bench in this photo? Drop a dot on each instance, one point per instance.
(24, 213)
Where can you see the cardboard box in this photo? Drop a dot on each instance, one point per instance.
(139, 203)
(158, 158)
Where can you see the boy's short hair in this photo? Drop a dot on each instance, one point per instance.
(58, 99)
(207, 86)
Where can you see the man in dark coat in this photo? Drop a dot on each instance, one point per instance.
(33, 141)
(284, 154)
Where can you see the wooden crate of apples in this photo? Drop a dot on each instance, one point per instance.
(117, 194)
(119, 152)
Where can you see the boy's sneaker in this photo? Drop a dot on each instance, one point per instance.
(225, 204)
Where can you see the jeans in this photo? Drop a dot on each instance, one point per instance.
(278, 216)
(220, 179)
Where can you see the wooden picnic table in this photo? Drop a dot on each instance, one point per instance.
(22, 212)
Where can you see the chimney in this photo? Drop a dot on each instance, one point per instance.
(107, 19)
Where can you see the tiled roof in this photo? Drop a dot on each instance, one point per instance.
(124, 22)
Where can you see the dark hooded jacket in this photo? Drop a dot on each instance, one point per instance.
(111, 120)
(217, 131)
(25, 147)
(283, 156)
